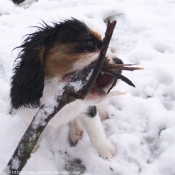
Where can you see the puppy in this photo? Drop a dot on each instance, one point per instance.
(49, 57)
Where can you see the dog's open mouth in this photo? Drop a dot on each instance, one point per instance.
(102, 85)
(107, 77)
(103, 80)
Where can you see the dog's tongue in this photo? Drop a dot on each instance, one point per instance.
(103, 80)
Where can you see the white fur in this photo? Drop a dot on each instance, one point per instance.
(83, 62)
(97, 136)
(77, 109)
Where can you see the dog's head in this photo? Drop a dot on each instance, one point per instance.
(56, 51)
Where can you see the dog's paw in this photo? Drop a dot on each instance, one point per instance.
(104, 115)
(76, 131)
(76, 135)
(102, 112)
(106, 150)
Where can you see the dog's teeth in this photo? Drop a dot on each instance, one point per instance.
(102, 73)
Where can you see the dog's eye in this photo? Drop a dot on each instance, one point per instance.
(90, 42)
(90, 45)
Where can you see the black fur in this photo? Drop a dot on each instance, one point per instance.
(27, 83)
(92, 111)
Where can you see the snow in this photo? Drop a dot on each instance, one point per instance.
(16, 163)
(43, 113)
(88, 77)
(142, 122)
(77, 85)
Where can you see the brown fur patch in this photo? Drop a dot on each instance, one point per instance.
(59, 60)
(41, 53)
(97, 35)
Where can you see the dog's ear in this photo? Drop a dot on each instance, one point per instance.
(27, 82)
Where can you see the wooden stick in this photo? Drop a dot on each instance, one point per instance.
(101, 58)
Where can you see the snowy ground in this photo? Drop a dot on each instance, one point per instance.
(142, 123)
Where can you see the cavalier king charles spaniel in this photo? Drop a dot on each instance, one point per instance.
(50, 56)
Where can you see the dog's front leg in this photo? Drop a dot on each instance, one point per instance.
(76, 128)
(92, 123)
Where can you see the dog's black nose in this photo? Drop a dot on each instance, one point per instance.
(117, 61)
